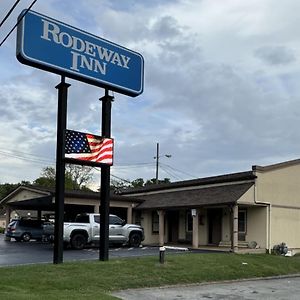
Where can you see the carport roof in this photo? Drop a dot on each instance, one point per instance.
(205, 196)
(45, 200)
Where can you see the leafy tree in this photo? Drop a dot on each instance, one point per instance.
(76, 177)
(153, 181)
(139, 182)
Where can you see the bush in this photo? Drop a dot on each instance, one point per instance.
(2, 230)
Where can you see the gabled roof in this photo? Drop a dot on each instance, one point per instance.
(205, 196)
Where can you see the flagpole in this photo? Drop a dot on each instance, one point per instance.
(105, 180)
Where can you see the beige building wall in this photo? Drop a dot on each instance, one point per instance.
(203, 228)
(285, 227)
(280, 187)
(26, 194)
(257, 227)
(248, 197)
(146, 223)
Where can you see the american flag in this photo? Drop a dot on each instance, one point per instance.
(88, 147)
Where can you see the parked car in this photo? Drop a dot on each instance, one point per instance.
(25, 229)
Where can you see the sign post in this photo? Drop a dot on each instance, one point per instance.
(62, 88)
(105, 180)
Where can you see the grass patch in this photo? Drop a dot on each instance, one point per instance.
(95, 280)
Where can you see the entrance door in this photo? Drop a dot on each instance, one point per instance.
(173, 226)
(214, 226)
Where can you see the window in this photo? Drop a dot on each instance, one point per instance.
(97, 219)
(242, 225)
(155, 222)
(82, 219)
(114, 220)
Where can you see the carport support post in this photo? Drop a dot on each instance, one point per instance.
(235, 214)
(105, 180)
(7, 220)
(62, 88)
(161, 230)
(195, 216)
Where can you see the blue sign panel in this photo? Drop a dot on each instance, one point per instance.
(53, 46)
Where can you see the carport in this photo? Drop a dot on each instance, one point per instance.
(39, 201)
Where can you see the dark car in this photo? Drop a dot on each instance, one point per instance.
(25, 229)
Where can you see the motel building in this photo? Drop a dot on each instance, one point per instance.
(249, 211)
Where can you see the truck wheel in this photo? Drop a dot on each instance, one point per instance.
(78, 241)
(135, 240)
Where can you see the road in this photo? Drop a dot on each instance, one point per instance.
(263, 289)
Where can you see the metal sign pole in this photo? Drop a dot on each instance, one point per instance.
(105, 180)
(62, 88)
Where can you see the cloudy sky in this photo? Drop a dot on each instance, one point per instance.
(221, 92)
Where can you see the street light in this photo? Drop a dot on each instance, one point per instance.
(157, 161)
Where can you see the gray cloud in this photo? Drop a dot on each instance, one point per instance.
(275, 55)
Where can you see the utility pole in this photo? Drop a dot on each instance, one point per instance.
(157, 161)
(157, 158)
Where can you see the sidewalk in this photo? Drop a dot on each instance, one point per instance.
(275, 288)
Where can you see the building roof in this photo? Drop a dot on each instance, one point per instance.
(233, 177)
(205, 196)
(277, 165)
(45, 200)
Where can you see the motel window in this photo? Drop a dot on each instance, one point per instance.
(242, 221)
(242, 225)
(155, 222)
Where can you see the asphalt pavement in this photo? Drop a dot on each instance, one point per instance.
(33, 252)
(282, 288)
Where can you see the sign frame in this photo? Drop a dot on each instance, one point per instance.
(122, 78)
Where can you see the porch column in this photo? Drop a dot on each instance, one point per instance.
(129, 214)
(235, 219)
(96, 209)
(195, 216)
(7, 219)
(161, 221)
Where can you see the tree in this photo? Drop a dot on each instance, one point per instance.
(139, 182)
(153, 181)
(79, 176)
(76, 177)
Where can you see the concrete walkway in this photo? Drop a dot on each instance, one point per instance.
(282, 288)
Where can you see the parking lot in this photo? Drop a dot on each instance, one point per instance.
(19, 253)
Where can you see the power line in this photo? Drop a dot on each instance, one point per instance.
(171, 173)
(180, 171)
(125, 180)
(9, 13)
(20, 19)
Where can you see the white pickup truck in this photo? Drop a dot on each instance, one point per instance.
(86, 230)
